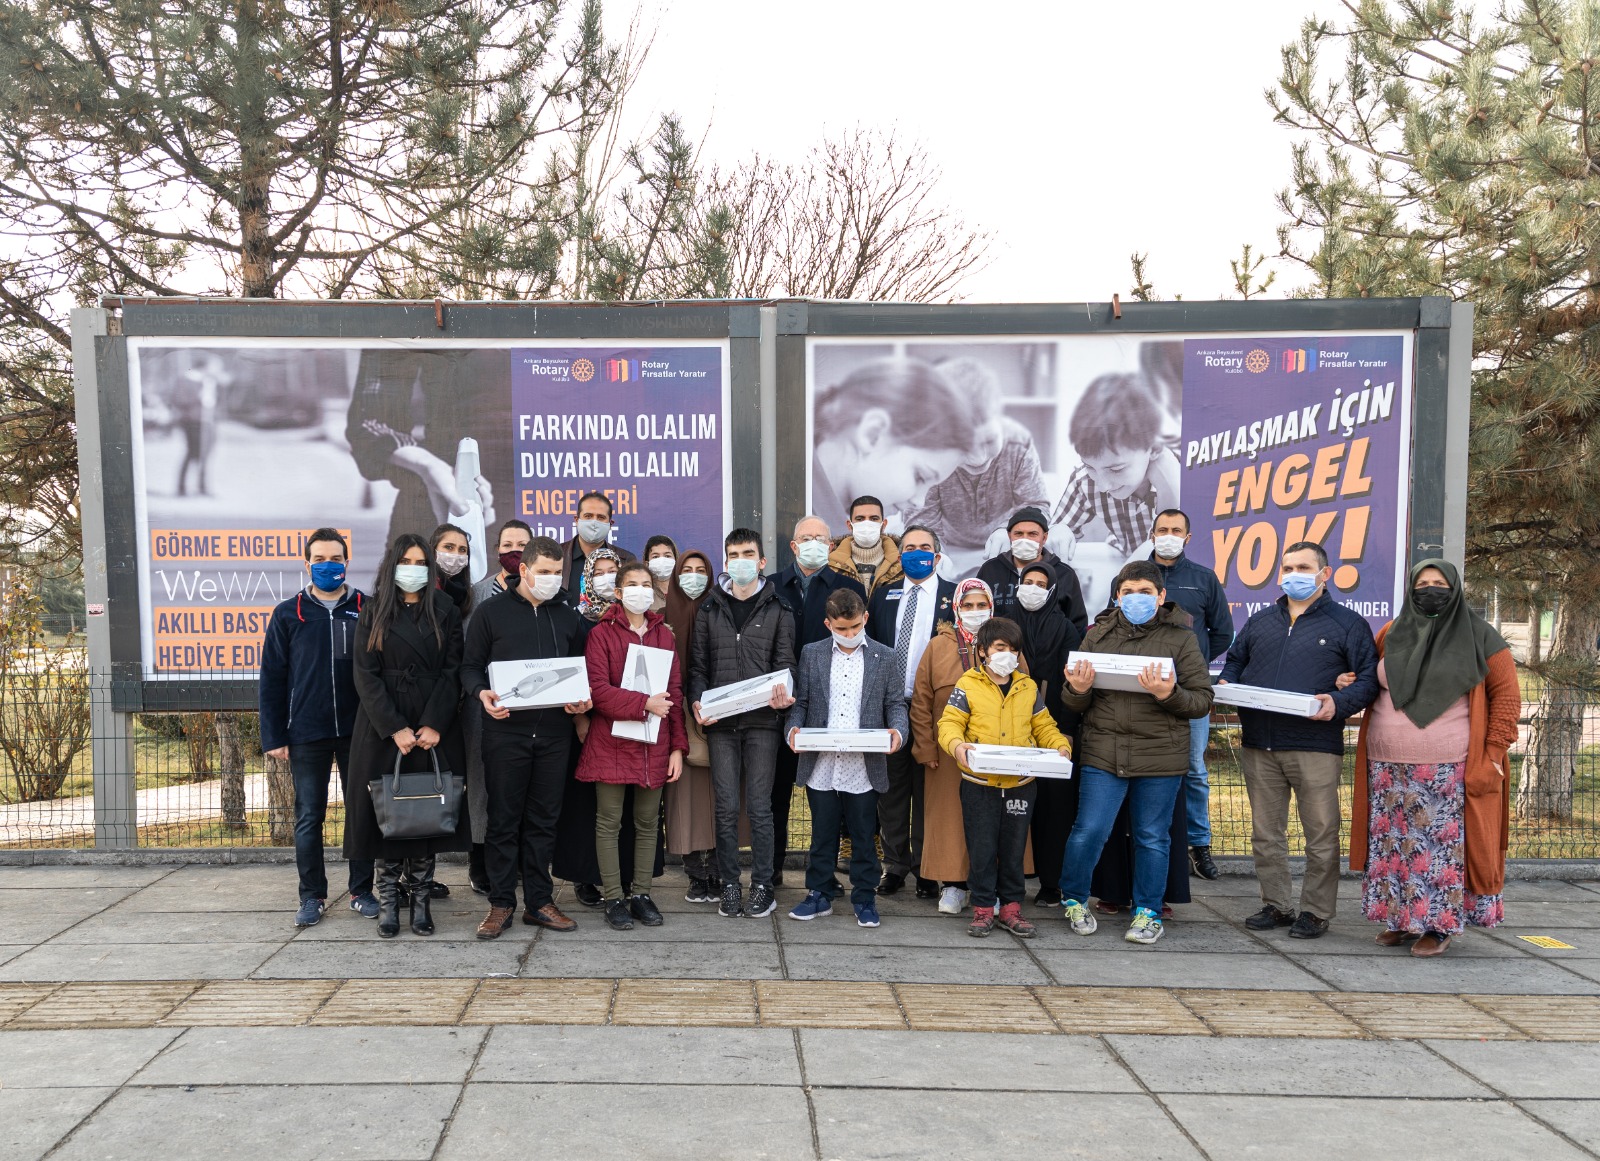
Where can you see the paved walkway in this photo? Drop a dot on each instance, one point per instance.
(174, 1012)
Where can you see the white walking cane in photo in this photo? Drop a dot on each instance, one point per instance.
(471, 520)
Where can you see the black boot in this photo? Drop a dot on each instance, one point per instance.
(1201, 863)
(389, 900)
(422, 895)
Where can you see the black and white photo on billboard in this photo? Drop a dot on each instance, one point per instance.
(960, 433)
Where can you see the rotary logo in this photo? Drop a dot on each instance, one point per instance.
(1255, 362)
(582, 370)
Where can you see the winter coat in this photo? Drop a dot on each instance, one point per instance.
(842, 560)
(410, 682)
(1304, 657)
(720, 654)
(1195, 589)
(883, 703)
(807, 607)
(306, 690)
(1136, 735)
(979, 712)
(625, 761)
(1002, 574)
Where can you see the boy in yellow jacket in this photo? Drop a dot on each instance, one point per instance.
(994, 705)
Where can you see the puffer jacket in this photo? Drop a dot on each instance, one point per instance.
(1135, 735)
(720, 654)
(842, 560)
(979, 712)
(624, 761)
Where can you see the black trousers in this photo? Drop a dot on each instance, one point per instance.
(525, 776)
(783, 776)
(996, 821)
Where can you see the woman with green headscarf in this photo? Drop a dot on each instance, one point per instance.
(1432, 814)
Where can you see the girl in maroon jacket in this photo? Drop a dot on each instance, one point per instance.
(614, 763)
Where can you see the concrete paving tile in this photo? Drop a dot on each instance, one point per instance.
(18, 998)
(1585, 942)
(386, 1122)
(316, 1056)
(138, 961)
(1553, 918)
(676, 1003)
(405, 958)
(279, 898)
(973, 1008)
(1179, 938)
(979, 1126)
(996, 960)
(644, 1056)
(828, 1004)
(414, 1003)
(1589, 969)
(33, 1120)
(1232, 1012)
(701, 1122)
(997, 1061)
(676, 927)
(252, 1003)
(105, 1005)
(1546, 891)
(1231, 1126)
(1290, 1067)
(33, 916)
(1545, 1017)
(12, 950)
(84, 876)
(1405, 973)
(183, 927)
(1527, 1069)
(553, 956)
(1135, 1010)
(1358, 939)
(540, 1002)
(1579, 1120)
(71, 1058)
(1413, 1016)
(1231, 887)
(341, 925)
(1174, 969)
(917, 931)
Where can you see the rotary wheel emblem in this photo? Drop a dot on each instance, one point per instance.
(1255, 362)
(583, 370)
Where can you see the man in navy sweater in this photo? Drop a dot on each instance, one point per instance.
(1302, 642)
(308, 710)
(1194, 588)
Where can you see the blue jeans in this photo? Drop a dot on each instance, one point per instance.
(858, 813)
(1150, 805)
(1197, 783)
(311, 765)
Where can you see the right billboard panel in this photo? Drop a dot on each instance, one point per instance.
(1261, 440)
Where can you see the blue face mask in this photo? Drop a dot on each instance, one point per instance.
(328, 575)
(744, 572)
(1137, 607)
(918, 564)
(1299, 585)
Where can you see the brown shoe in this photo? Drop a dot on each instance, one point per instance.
(549, 916)
(1393, 938)
(1430, 944)
(498, 919)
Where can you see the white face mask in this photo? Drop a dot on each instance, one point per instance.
(638, 598)
(451, 563)
(693, 584)
(972, 619)
(1002, 662)
(545, 587)
(1169, 547)
(866, 533)
(661, 566)
(848, 642)
(605, 584)
(1025, 550)
(594, 531)
(813, 554)
(1032, 597)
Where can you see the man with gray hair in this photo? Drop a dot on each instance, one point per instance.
(803, 588)
(905, 617)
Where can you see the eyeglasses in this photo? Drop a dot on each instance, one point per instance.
(820, 538)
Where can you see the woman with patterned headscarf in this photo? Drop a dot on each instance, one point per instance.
(599, 590)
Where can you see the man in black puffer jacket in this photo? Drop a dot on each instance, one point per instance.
(742, 631)
(1302, 642)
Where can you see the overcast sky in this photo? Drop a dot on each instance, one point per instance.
(1076, 133)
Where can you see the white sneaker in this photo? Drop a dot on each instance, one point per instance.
(953, 900)
(1079, 917)
(1147, 926)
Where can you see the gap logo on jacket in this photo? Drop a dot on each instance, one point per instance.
(308, 690)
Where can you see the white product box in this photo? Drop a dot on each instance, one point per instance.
(845, 741)
(645, 670)
(1119, 670)
(1282, 701)
(1024, 760)
(741, 697)
(540, 683)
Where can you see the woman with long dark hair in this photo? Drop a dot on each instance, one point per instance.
(407, 654)
(452, 556)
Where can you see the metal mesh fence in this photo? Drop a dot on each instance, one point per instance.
(200, 780)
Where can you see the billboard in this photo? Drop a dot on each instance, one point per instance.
(1261, 440)
(242, 446)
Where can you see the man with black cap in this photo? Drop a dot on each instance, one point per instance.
(1029, 528)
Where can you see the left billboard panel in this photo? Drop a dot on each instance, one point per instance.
(241, 447)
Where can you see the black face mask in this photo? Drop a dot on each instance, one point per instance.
(1431, 601)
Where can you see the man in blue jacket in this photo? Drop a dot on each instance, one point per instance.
(1302, 642)
(1194, 588)
(308, 710)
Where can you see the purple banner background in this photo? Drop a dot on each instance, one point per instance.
(645, 425)
(1304, 405)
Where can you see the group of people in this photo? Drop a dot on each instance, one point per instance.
(861, 631)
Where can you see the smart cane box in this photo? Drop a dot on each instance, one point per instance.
(845, 741)
(645, 670)
(741, 697)
(1281, 701)
(539, 683)
(1023, 760)
(1119, 670)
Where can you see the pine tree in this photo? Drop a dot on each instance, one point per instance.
(1452, 154)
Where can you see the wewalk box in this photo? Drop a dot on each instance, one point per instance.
(540, 682)
(1119, 670)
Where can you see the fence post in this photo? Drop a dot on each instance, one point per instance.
(116, 815)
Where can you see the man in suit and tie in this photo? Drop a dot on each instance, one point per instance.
(903, 616)
(848, 682)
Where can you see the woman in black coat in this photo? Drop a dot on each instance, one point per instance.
(407, 653)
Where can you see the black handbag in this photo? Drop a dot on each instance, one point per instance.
(422, 805)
